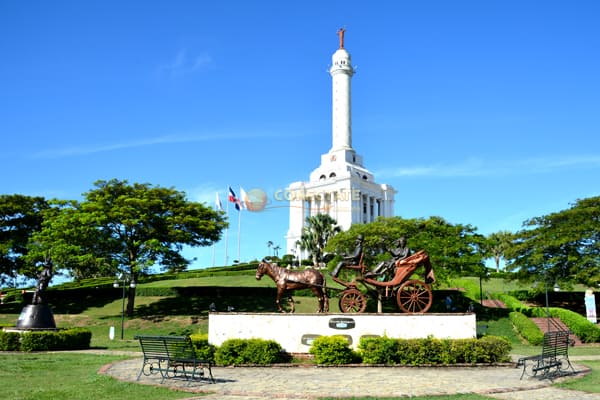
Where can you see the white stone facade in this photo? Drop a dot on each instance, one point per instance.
(295, 332)
(341, 186)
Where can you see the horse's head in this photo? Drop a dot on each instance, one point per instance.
(262, 269)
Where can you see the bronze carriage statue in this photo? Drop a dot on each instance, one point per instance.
(412, 295)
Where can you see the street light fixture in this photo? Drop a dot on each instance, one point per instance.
(121, 278)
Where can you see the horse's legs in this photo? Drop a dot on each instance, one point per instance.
(325, 301)
(278, 301)
(292, 305)
(319, 294)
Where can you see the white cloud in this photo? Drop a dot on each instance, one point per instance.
(100, 148)
(84, 149)
(478, 167)
(206, 193)
(182, 64)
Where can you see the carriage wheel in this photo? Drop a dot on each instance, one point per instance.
(414, 297)
(353, 301)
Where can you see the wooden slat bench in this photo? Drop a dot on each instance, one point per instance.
(554, 359)
(172, 357)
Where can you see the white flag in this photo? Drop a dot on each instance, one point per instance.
(244, 198)
(218, 203)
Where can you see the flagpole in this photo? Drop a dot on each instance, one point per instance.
(239, 231)
(227, 238)
(214, 253)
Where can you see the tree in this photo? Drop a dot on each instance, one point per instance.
(20, 217)
(126, 229)
(560, 247)
(496, 245)
(319, 229)
(269, 244)
(454, 250)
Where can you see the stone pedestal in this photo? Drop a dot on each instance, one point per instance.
(36, 316)
(295, 332)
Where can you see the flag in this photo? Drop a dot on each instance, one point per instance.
(218, 203)
(233, 199)
(244, 198)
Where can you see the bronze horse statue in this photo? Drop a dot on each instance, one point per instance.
(287, 281)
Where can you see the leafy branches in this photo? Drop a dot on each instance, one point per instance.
(124, 228)
(561, 246)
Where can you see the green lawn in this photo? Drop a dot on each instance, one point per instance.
(588, 383)
(69, 376)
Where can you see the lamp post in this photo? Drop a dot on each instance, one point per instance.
(121, 278)
(487, 273)
(556, 289)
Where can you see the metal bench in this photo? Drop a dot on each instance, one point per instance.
(554, 359)
(172, 357)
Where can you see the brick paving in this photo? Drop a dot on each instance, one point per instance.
(313, 382)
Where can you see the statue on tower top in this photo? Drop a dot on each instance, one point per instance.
(340, 33)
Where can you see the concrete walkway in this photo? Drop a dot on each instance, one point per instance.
(313, 382)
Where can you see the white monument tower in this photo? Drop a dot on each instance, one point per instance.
(341, 186)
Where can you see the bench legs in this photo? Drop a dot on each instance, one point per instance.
(191, 371)
(168, 369)
(549, 367)
(152, 367)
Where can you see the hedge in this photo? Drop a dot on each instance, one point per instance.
(204, 350)
(248, 351)
(333, 350)
(586, 331)
(432, 351)
(68, 339)
(527, 328)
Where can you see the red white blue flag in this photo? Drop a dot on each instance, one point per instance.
(233, 199)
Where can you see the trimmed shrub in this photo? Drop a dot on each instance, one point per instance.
(248, 351)
(527, 328)
(493, 349)
(428, 351)
(378, 350)
(263, 352)
(579, 325)
(68, 339)
(10, 341)
(333, 350)
(204, 350)
(74, 339)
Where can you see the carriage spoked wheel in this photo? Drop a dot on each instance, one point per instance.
(353, 301)
(414, 296)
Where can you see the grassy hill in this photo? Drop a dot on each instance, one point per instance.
(185, 309)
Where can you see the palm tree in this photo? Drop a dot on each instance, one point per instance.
(315, 235)
(269, 244)
(496, 246)
(276, 250)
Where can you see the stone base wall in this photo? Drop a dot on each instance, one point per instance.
(295, 332)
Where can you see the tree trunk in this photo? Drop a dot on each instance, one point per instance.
(131, 295)
(130, 301)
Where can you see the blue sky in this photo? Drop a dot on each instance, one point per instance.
(482, 112)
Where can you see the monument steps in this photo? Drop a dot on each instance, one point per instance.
(555, 324)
